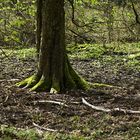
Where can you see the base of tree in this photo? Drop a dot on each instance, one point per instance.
(71, 80)
(42, 85)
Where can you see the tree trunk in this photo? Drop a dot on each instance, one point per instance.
(54, 70)
(39, 26)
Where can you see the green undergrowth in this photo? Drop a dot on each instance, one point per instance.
(10, 133)
(92, 130)
(87, 51)
(23, 53)
(83, 51)
(127, 54)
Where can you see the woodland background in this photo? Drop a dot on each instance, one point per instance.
(103, 43)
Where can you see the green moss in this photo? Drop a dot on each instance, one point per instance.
(24, 82)
(73, 79)
(59, 136)
(96, 85)
(28, 82)
(42, 85)
(83, 84)
(134, 56)
(10, 133)
(69, 83)
(85, 51)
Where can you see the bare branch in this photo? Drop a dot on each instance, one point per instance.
(10, 80)
(73, 16)
(86, 39)
(95, 107)
(43, 128)
(98, 108)
(52, 102)
(135, 12)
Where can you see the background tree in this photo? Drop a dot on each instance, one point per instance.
(18, 15)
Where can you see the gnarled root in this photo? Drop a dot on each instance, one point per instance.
(73, 81)
(35, 83)
(28, 82)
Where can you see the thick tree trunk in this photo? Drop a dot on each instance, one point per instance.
(54, 70)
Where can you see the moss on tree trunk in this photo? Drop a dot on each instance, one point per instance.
(54, 69)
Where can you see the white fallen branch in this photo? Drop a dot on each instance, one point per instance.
(98, 108)
(43, 128)
(9, 80)
(7, 97)
(52, 102)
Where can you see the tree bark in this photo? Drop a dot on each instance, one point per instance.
(39, 25)
(54, 69)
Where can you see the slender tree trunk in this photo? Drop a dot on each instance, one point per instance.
(39, 25)
(54, 70)
(110, 21)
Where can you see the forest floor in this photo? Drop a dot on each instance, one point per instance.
(28, 115)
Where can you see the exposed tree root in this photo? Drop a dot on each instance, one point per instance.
(71, 81)
(28, 82)
(42, 84)
(34, 83)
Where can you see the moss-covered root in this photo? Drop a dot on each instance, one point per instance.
(38, 85)
(42, 85)
(28, 82)
(102, 85)
(47, 85)
(80, 83)
(72, 80)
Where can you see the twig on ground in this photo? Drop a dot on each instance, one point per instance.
(10, 80)
(109, 110)
(7, 97)
(43, 128)
(52, 102)
(95, 107)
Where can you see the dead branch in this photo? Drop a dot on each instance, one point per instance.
(7, 97)
(43, 128)
(98, 108)
(10, 80)
(86, 39)
(135, 13)
(73, 16)
(95, 107)
(52, 102)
